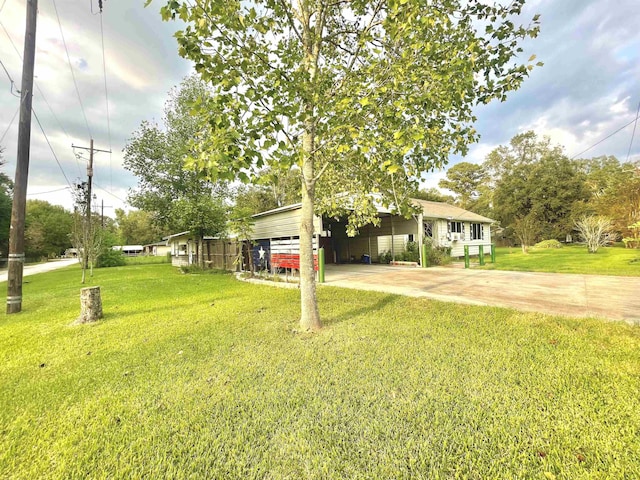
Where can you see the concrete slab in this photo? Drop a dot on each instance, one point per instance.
(607, 297)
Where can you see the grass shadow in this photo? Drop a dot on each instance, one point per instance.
(336, 315)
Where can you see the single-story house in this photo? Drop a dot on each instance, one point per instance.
(158, 249)
(219, 253)
(276, 234)
(129, 250)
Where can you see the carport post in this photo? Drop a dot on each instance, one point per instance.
(321, 265)
(493, 253)
(466, 256)
(481, 254)
(424, 256)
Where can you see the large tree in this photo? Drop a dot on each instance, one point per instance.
(179, 199)
(363, 96)
(136, 227)
(465, 180)
(533, 181)
(47, 229)
(615, 191)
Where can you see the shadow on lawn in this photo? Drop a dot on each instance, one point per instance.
(334, 317)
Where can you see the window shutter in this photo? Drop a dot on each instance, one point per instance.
(482, 232)
(462, 223)
(448, 230)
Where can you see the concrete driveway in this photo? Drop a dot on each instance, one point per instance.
(41, 267)
(613, 298)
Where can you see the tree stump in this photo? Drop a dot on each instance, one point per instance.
(90, 305)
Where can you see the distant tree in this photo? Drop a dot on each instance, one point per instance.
(464, 179)
(6, 194)
(527, 230)
(615, 191)
(178, 199)
(137, 227)
(359, 95)
(596, 232)
(433, 195)
(272, 188)
(531, 179)
(47, 229)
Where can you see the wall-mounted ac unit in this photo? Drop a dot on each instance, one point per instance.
(455, 237)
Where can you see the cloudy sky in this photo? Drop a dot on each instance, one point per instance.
(588, 88)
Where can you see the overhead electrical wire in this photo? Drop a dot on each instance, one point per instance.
(48, 191)
(50, 147)
(44, 98)
(108, 192)
(106, 94)
(10, 124)
(13, 84)
(602, 140)
(71, 69)
(634, 132)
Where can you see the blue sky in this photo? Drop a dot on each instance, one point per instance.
(588, 87)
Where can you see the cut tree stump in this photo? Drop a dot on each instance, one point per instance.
(90, 305)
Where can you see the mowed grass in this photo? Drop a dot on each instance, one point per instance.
(204, 376)
(568, 259)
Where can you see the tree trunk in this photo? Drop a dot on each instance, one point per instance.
(201, 251)
(90, 305)
(312, 40)
(310, 316)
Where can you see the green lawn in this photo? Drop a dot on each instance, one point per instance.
(203, 376)
(569, 259)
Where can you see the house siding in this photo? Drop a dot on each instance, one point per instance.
(281, 224)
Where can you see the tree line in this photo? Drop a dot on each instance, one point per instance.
(536, 192)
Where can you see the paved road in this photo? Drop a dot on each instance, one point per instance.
(41, 267)
(613, 298)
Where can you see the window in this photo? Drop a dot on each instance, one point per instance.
(428, 229)
(477, 231)
(455, 227)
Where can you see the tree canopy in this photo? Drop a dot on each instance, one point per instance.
(362, 96)
(178, 199)
(47, 229)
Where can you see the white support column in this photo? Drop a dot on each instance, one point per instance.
(393, 230)
(420, 236)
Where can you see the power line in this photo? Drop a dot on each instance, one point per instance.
(10, 124)
(106, 94)
(3, 3)
(71, 69)
(10, 80)
(110, 193)
(48, 191)
(605, 138)
(44, 98)
(634, 132)
(50, 147)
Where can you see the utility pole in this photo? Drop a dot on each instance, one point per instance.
(18, 209)
(87, 233)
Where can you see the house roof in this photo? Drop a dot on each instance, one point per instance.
(157, 244)
(286, 208)
(444, 210)
(429, 209)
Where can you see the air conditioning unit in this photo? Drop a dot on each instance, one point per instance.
(455, 237)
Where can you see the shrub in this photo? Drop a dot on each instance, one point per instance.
(411, 253)
(110, 258)
(437, 255)
(548, 244)
(386, 257)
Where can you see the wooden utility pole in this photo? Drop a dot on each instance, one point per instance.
(18, 209)
(87, 232)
